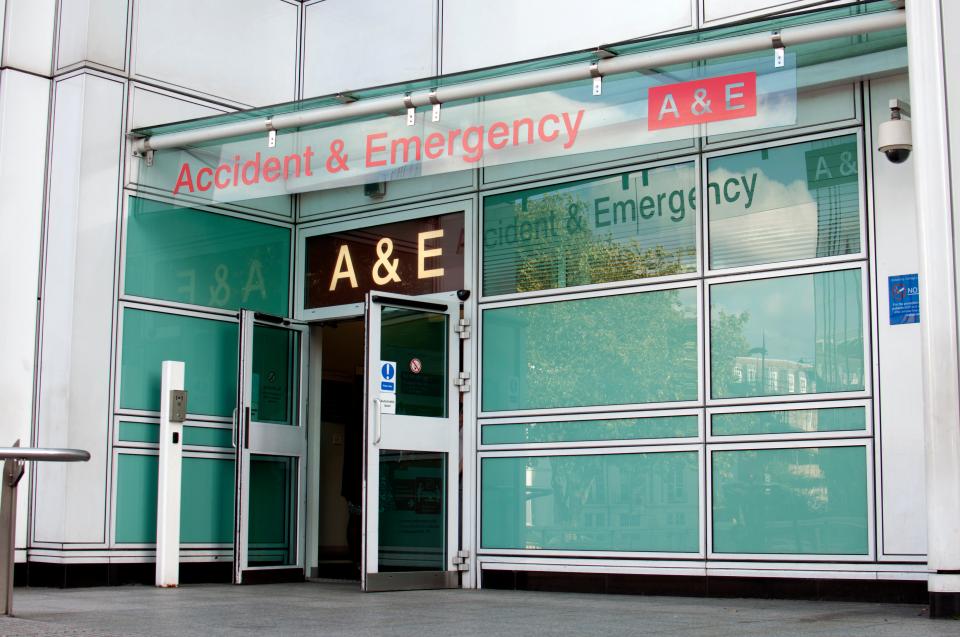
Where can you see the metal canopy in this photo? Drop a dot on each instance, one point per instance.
(599, 64)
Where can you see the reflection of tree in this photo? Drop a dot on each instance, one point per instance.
(810, 500)
(632, 348)
(727, 342)
(644, 502)
(573, 254)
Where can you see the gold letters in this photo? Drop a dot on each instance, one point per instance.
(343, 269)
(423, 254)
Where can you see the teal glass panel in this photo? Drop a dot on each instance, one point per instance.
(207, 347)
(789, 421)
(272, 524)
(810, 501)
(276, 375)
(584, 430)
(149, 432)
(203, 258)
(785, 203)
(621, 502)
(207, 437)
(617, 228)
(412, 520)
(206, 507)
(609, 350)
(408, 335)
(790, 335)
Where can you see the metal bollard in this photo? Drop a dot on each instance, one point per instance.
(14, 458)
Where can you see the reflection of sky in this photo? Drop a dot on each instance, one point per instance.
(784, 311)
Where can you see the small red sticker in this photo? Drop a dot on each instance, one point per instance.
(415, 365)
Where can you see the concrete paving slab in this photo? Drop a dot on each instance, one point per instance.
(338, 609)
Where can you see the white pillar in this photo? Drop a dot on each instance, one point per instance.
(168, 479)
(938, 301)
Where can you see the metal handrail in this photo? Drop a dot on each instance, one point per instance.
(44, 454)
(14, 458)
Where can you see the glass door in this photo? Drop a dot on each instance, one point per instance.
(270, 439)
(412, 449)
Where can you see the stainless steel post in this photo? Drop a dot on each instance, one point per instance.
(14, 458)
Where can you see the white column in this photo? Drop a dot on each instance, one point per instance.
(938, 299)
(168, 479)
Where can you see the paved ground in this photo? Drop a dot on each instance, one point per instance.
(338, 609)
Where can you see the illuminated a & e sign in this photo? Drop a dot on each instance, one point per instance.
(420, 256)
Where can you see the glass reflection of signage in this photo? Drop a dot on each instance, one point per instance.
(420, 256)
(683, 102)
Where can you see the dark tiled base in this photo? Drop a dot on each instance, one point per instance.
(767, 588)
(80, 575)
(945, 605)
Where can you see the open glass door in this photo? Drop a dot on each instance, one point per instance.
(412, 447)
(270, 438)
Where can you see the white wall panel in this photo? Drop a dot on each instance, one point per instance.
(950, 12)
(93, 31)
(77, 306)
(714, 10)
(28, 35)
(900, 404)
(479, 34)
(351, 45)
(244, 51)
(24, 107)
(149, 106)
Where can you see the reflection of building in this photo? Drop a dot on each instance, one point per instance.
(753, 375)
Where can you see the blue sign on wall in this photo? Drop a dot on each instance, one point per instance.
(904, 291)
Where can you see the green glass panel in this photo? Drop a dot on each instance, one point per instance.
(207, 347)
(276, 375)
(810, 501)
(785, 203)
(620, 502)
(207, 437)
(136, 499)
(149, 432)
(140, 432)
(408, 335)
(622, 227)
(799, 334)
(206, 507)
(610, 350)
(202, 258)
(413, 513)
(789, 421)
(583, 430)
(272, 524)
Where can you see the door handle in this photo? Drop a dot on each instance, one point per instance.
(377, 421)
(233, 432)
(246, 427)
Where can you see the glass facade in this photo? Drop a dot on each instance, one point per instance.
(779, 292)
(674, 356)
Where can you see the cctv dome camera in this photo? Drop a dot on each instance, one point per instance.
(895, 139)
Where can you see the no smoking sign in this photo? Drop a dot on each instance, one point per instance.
(415, 365)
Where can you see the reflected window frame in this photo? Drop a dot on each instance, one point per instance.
(866, 331)
(863, 175)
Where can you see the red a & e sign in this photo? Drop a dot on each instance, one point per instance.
(712, 99)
